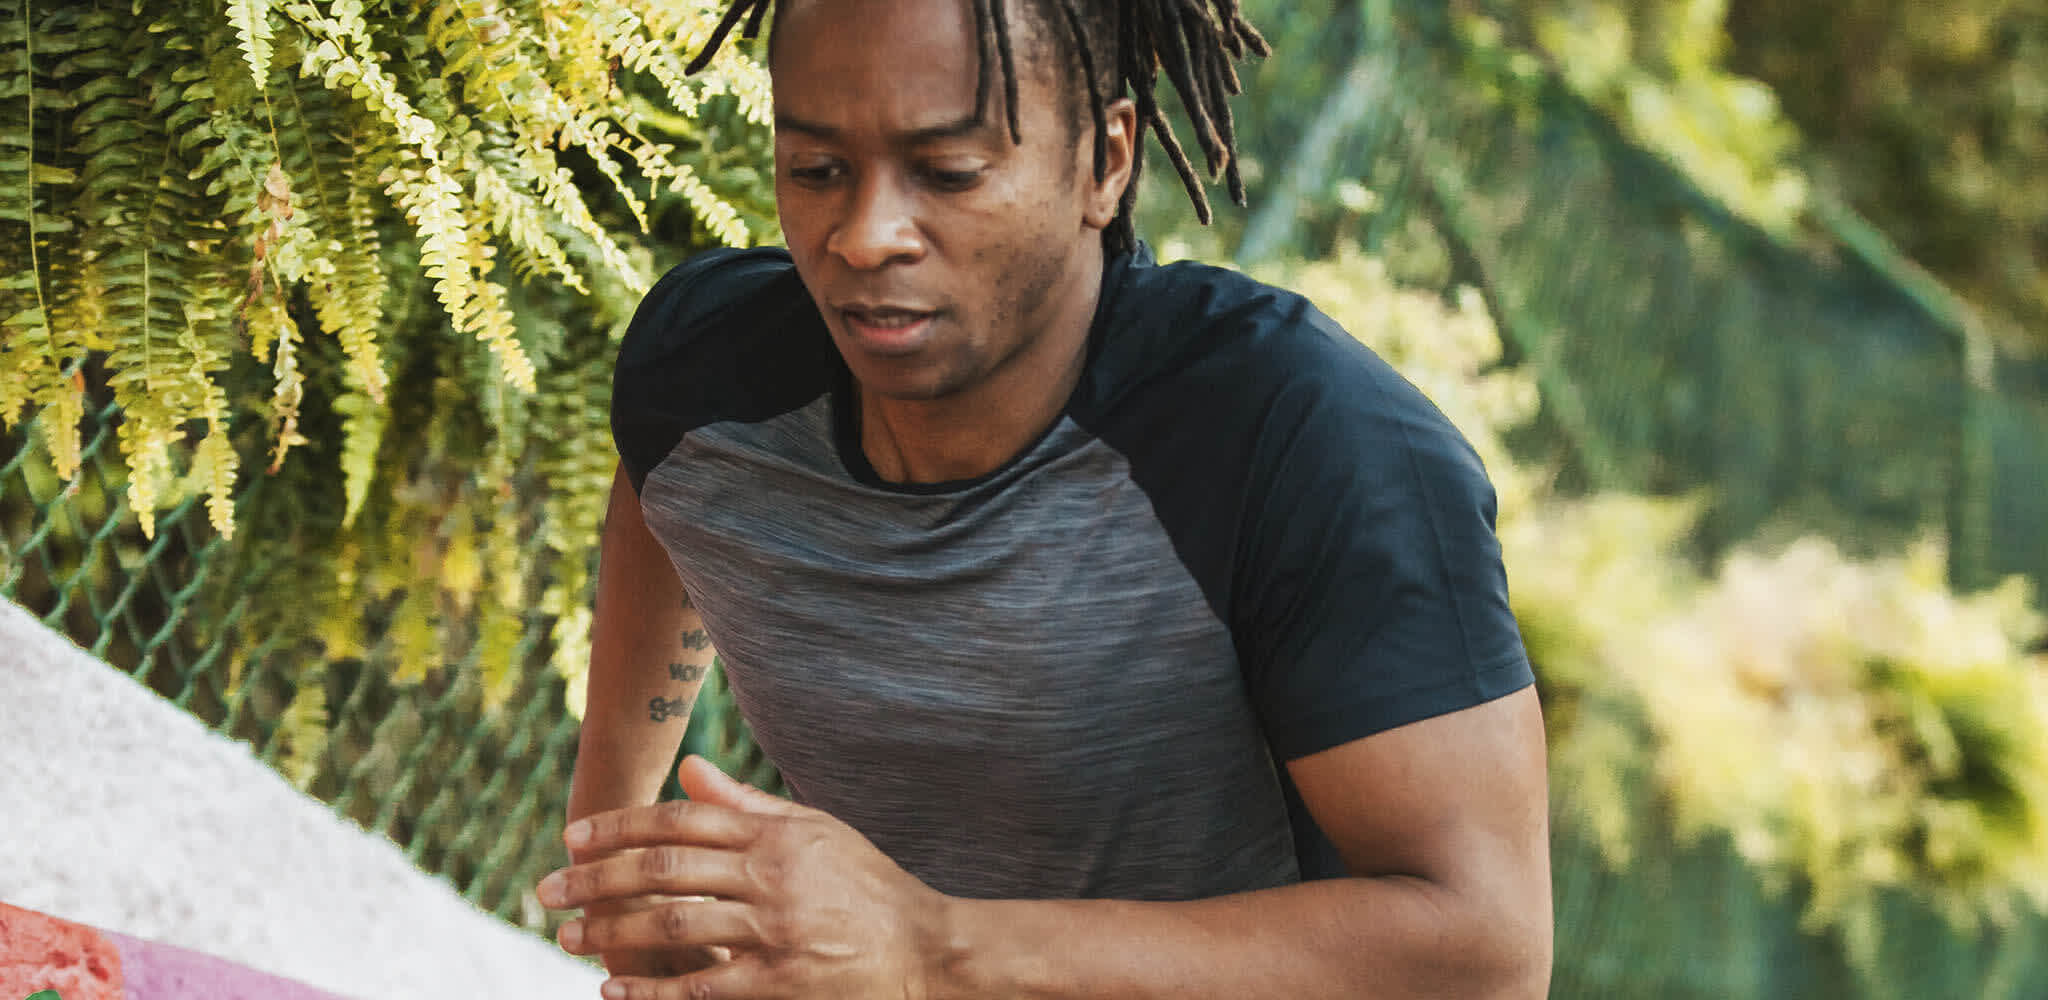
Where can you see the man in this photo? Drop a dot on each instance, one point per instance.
(1120, 630)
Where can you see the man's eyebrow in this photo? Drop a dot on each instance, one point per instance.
(955, 129)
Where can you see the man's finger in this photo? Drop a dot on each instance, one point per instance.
(743, 978)
(664, 871)
(678, 926)
(702, 781)
(706, 824)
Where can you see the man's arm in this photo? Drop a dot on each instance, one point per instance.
(1443, 823)
(648, 657)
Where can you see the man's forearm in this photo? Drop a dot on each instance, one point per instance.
(649, 655)
(1362, 937)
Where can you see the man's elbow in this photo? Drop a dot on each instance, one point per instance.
(1488, 947)
(1510, 953)
(1523, 976)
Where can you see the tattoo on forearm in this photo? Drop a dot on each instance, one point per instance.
(694, 639)
(663, 709)
(685, 672)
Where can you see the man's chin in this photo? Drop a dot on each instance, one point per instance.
(908, 388)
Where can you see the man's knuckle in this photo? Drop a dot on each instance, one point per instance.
(777, 928)
(657, 865)
(673, 923)
(672, 817)
(762, 869)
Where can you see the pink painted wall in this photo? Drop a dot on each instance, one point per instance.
(39, 952)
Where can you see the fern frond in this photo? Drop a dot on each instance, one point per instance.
(685, 28)
(251, 19)
(157, 241)
(558, 192)
(344, 57)
(491, 320)
(214, 460)
(362, 432)
(520, 218)
(274, 336)
(39, 361)
(303, 732)
(349, 295)
(718, 215)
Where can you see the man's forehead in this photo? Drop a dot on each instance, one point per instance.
(910, 68)
(942, 128)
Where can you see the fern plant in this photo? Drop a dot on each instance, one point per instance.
(373, 257)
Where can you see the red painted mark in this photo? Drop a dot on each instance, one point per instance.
(39, 952)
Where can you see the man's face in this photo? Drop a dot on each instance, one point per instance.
(935, 248)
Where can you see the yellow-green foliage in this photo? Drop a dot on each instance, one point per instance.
(372, 258)
(177, 175)
(1659, 67)
(1851, 724)
(1894, 732)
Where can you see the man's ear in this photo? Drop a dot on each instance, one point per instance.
(1119, 150)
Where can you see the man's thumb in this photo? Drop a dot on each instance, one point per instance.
(702, 781)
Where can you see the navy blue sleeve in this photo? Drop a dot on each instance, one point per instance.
(726, 335)
(1370, 591)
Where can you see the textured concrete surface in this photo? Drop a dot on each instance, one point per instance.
(123, 812)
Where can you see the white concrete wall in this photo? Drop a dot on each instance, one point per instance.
(118, 809)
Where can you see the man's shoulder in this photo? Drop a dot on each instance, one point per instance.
(1187, 335)
(728, 335)
(712, 290)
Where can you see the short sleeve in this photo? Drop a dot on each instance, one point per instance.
(1372, 593)
(726, 335)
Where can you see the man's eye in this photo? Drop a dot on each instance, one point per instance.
(952, 180)
(823, 174)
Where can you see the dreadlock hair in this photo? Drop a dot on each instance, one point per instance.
(1122, 47)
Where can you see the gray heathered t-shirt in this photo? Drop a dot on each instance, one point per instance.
(1245, 540)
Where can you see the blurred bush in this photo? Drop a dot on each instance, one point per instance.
(1850, 726)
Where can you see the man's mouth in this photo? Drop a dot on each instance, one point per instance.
(887, 329)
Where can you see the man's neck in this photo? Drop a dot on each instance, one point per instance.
(972, 433)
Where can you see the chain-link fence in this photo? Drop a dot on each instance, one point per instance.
(1818, 383)
(472, 789)
(1819, 386)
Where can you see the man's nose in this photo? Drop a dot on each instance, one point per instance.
(878, 229)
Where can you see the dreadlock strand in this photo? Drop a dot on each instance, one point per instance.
(983, 42)
(1193, 43)
(1002, 21)
(1142, 61)
(1226, 74)
(1177, 59)
(732, 17)
(1226, 127)
(754, 20)
(1248, 36)
(1095, 110)
(1226, 28)
(1181, 164)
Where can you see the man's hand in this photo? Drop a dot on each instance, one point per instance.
(805, 905)
(652, 962)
